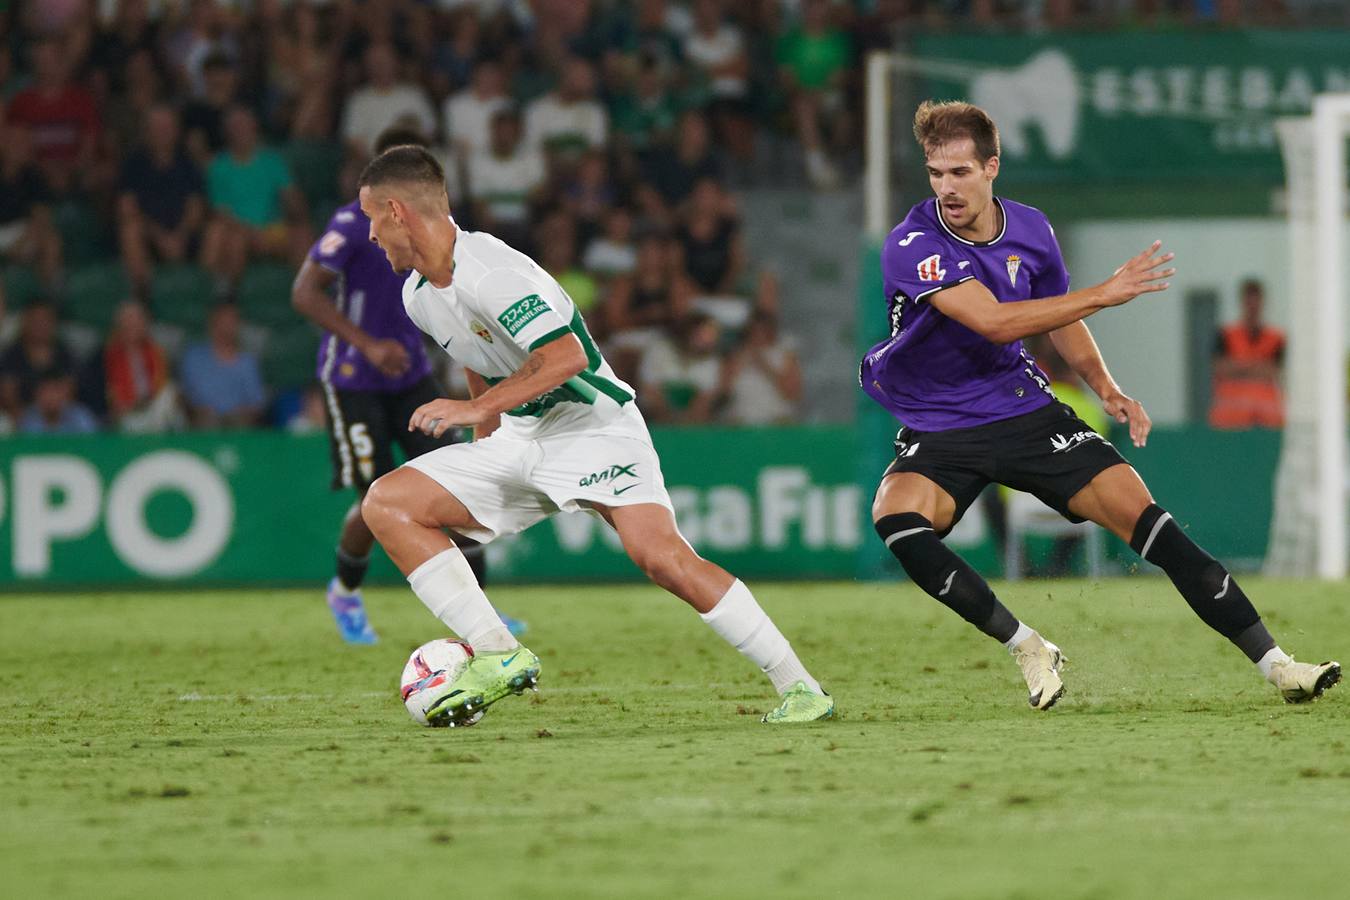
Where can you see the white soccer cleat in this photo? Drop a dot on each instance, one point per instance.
(1040, 661)
(1300, 682)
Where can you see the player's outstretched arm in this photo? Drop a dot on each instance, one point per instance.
(971, 303)
(478, 386)
(543, 370)
(1074, 343)
(309, 297)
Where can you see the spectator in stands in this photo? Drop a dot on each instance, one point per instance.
(208, 31)
(589, 193)
(37, 354)
(716, 48)
(302, 74)
(454, 59)
(1248, 364)
(612, 252)
(9, 322)
(643, 305)
(221, 382)
(506, 180)
(568, 121)
(141, 396)
(383, 101)
(256, 208)
(643, 111)
(681, 375)
(62, 118)
(468, 113)
(556, 245)
(669, 175)
(762, 377)
(162, 204)
(712, 251)
(204, 116)
(28, 234)
(54, 409)
(130, 33)
(814, 60)
(124, 114)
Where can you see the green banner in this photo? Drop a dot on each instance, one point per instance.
(242, 508)
(766, 503)
(1145, 107)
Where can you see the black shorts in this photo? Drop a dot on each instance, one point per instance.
(363, 427)
(1050, 453)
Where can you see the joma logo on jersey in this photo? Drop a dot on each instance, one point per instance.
(522, 312)
(1064, 444)
(931, 269)
(609, 474)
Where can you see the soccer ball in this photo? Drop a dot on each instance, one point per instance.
(431, 671)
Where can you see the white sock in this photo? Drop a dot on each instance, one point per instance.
(445, 583)
(740, 621)
(1273, 655)
(1023, 632)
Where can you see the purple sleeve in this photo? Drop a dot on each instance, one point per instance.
(333, 250)
(918, 265)
(1053, 279)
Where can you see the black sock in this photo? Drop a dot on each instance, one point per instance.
(1202, 580)
(351, 570)
(476, 557)
(944, 575)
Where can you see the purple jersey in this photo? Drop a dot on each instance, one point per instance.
(370, 293)
(934, 373)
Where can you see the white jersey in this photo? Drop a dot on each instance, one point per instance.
(501, 306)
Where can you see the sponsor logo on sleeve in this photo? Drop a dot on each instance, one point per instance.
(522, 312)
(345, 215)
(331, 242)
(905, 242)
(931, 269)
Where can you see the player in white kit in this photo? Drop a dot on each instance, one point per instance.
(555, 429)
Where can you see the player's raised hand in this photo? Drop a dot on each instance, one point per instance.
(1143, 273)
(388, 355)
(439, 416)
(1127, 410)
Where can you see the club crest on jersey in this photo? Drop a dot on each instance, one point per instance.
(931, 269)
(481, 330)
(1014, 263)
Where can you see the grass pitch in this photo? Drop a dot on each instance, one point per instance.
(225, 744)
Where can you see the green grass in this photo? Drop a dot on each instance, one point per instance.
(224, 744)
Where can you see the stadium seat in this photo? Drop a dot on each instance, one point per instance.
(315, 166)
(93, 292)
(288, 357)
(181, 295)
(1028, 515)
(264, 294)
(21, 285)
(84, 236)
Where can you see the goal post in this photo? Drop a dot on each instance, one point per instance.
(1308, 531)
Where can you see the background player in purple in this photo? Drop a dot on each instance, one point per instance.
(960, 275)
(374, 371)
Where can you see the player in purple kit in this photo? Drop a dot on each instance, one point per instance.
(374, 370)
(967, 276)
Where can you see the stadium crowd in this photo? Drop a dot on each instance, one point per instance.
(165, 164)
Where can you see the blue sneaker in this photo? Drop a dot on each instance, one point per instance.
(350, 615)
(517, 627)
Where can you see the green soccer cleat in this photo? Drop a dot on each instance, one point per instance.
(800, 704)
(488, 678)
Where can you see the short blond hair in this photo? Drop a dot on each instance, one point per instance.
(936, 124)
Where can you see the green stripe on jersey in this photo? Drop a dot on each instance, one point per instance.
(583, 387)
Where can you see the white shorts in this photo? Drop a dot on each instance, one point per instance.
(508, 483)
